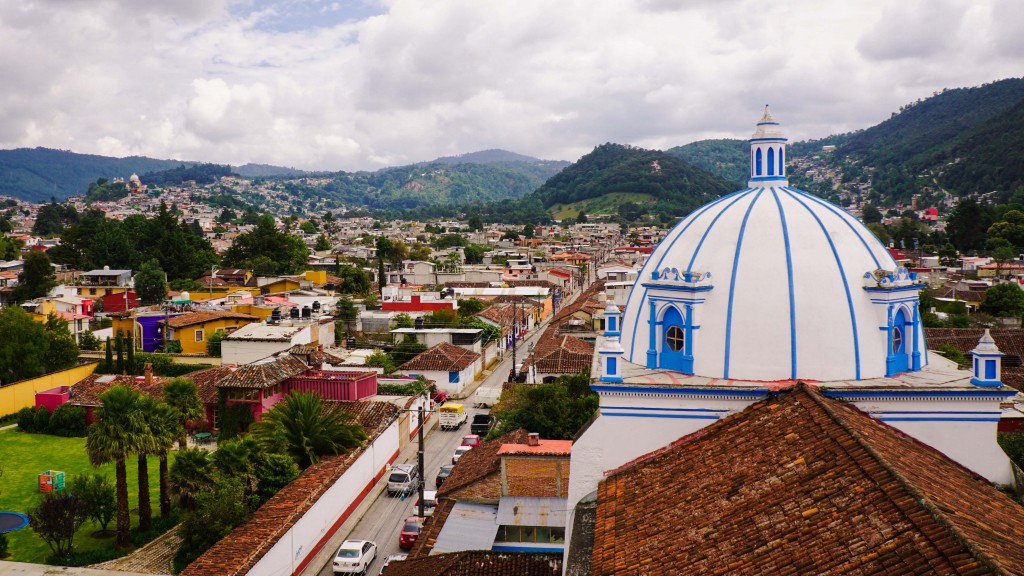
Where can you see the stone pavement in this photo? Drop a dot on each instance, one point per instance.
(153, 558)
(24, 569)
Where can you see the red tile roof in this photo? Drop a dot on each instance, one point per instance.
(478, 463)
(444, 357)
(801, 484)
(194, 318)
(240, 550)
(87, 391)
(480, 563)
(264, 375)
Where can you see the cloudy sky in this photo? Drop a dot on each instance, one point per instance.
(361, 84)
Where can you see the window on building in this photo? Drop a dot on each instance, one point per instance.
(675, 338)
(897, 340)
(453, 377)
(199, 336)
(531, 534)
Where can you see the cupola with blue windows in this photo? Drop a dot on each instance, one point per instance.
(988, 362)
(611, 350)
(772, 283)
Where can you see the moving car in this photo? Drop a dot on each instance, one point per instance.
(392, 558)
(443, 474)
(403, 478)
(429, 503)
(459, 452)
(354, 556)
(410, 532)
(471, 440)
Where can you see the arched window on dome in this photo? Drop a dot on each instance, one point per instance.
(899, 343)
(757, 162)
(675, 335)
(771, 161)
(782, 160)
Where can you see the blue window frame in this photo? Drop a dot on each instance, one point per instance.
(453, 377)
(612, 366)
(771, 161)
(757, 162)
(990, 369)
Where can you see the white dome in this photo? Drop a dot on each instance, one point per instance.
(768, 283)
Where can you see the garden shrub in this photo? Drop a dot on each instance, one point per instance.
(26, 419)
(68, 421)
(3, 544)
(1013, 444)
(41, 420)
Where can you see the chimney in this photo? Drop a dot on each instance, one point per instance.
(148, 371)
(533, 439)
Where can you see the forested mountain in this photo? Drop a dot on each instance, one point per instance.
(494, 156)
(616, 175)
(727, 158)
(990, 157)
(37, 174)
(264, 170)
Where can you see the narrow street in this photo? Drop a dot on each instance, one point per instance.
(381, 522)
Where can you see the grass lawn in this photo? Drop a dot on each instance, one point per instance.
(25, 456)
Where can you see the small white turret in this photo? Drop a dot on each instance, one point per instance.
(988, 362)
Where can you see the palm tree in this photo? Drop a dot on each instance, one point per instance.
(305, 427)
(147, 446)
(182, 395)
(191, 473)
(165, 426)
(119, 431)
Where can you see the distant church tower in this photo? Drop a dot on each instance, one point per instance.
(767, 154)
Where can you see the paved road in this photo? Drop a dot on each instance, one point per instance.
(383, 520)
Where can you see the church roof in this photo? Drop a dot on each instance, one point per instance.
(799, 483)
(776, 280)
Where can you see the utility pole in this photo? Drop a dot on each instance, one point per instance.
(167, 325)
(419, 455)
(515, 332)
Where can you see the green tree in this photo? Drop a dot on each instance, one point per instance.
(402, 320)
(23, 345)
(216, 513)
(150, 283)
(61, 349)
(56, 519)
(191, 474)
(119, 431)
(304, 427)
(322, 243)
(213, 343)
(164, 429)
(470, 307)
(948, 255)
(227, 215)
(474, 253)
(309, 227)
(354, 280)
(967, 224)
(99, 496)
(406, 350)
(183, 396)
(1003, 300)
(9, 247)
(529, 231)
(870, 214)
(36, 278)
(476, 222)
(268, 248)
(556, 411)
(581, 218)
(381, 360)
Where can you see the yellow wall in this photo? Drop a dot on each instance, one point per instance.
(22, 394)
(317, 276)
(262, 312)
(187, 335)
(203, 294)
(97, 292)
(282, 285)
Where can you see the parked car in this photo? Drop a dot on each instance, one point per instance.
(403, 478)
(429, 503)
(439, 397)
(443, 474)
(354, 556)
(459, 451)
(482, 424)
(471, 440)
(410, 532)
(392, 558)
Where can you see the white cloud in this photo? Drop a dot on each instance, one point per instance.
(357, 85)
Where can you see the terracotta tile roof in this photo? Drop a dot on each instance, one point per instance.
(801, 484)
(504, 314)
(480, 563)
(206, 382)
(545, 448)
(561, 354)
(479, 463)
(444, 357)
(87, 391)
(532, 283)
(194, 318)
(965, 295)
(264, 375)
(432, 528)
(1009, 340)
(240, 550)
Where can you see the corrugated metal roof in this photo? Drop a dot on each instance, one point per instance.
(531, 511)
(468, 527)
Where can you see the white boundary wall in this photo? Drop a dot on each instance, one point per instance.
(319, 523)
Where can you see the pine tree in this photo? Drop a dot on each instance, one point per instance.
(108, 362)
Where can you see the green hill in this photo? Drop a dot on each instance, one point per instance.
(990, 157)
(37, 174)
(669, 186)
(729, 159)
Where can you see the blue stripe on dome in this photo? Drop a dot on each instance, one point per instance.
(692, 218)
(732, 281)
(792, 298)
(693, 258)
(842, 275)
(828, 206)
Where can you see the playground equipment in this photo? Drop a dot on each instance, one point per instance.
(51, 481)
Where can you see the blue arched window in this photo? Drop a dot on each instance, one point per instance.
(673, 345)
(782, 160)
(901, 333)
(757, 162)
(771, 161)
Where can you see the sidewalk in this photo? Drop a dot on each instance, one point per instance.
(23, 569)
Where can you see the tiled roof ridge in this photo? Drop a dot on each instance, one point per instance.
(922, 499)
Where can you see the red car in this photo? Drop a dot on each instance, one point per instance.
(471, 440)
(410, 532)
